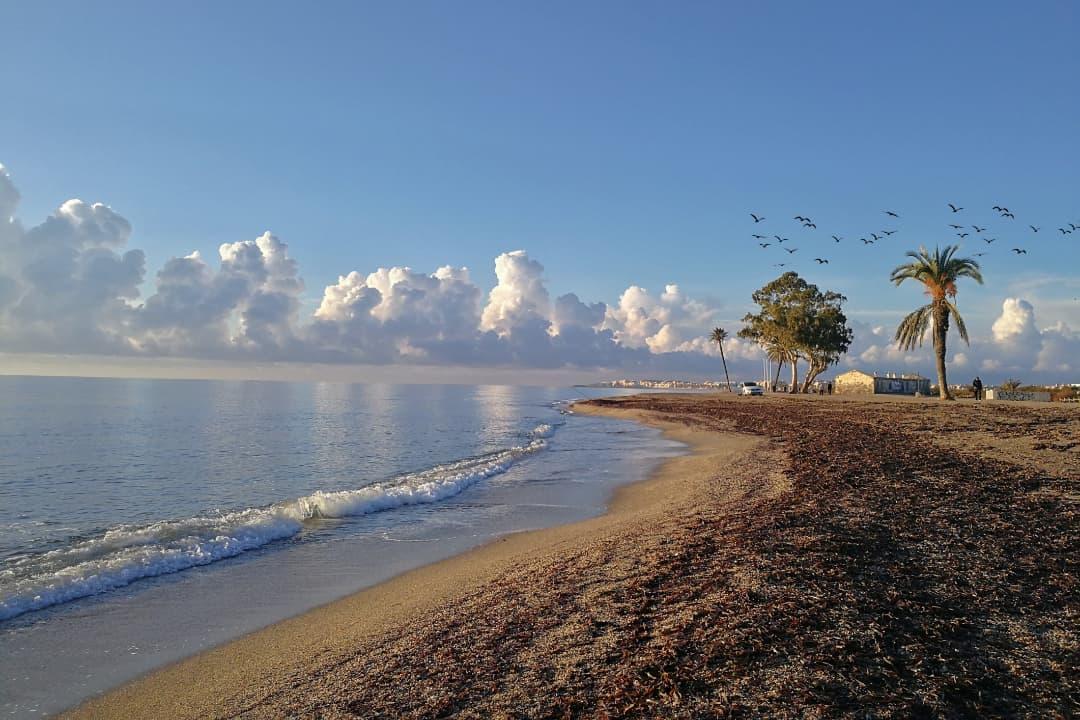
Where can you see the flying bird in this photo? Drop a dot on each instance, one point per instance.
(791, 250)
(1065, 232)
(979, 254)
(890, 213)
(764, 245)
(1072, 227)
(954, 208)
(1018, 251)
(800, 218)
(1008, 215)
(962, 235)
(979, 229)
(779, 264)
(1001, 209)
(956, 227)
(758, 237)
(810, 225)
(989, 240)
(867, 242)
(821, 261)
(1033, 228)
(780, 239)
(875, 236)
(756, 218)
(889, 232)
(837, 238)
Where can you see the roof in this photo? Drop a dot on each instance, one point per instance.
(855, 372)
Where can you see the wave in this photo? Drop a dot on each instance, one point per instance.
(127, 553)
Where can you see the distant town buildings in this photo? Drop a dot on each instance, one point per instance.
(661, 384)
(858, 382)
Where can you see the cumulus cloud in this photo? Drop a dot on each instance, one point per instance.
(1016, 324)
(873, 349)
(397, 314)
(660, 323)
(519, 298)
(249, 304)
(66, 282)
(1020, 345)
(71, 285)
(1015, 345)
(570, 312)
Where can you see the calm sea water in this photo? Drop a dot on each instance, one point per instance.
(142, 520)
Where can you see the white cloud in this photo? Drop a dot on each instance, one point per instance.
(519, 298)
(64, 283)
(1019, 346)
(69, 285)
(1014, 346)
(249, 305)
(1060, 351)
(662, 324)
(571, 312)
(396, 314)
(1016, 324)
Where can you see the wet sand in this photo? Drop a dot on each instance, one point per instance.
(810, 558)
(250, 674)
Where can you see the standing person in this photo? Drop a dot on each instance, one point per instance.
(976, 385)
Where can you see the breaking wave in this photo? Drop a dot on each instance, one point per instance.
(128, 553)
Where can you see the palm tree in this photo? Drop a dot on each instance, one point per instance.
(938, 272)
(779, 356)
(719, 335)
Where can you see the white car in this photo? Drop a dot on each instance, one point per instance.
(750, 388)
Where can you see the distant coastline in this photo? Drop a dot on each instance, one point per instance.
(647, 384)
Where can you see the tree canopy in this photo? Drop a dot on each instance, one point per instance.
(797, 321)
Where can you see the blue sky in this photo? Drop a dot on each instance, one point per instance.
(618, 143)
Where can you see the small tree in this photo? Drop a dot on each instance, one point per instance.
(825, 337)
(1010, 384)
(778, 355)
(773, 328)
(719, 335)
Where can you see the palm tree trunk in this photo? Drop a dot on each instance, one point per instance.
(941, 331)
(724, 360)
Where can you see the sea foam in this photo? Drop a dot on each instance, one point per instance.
(128, 553)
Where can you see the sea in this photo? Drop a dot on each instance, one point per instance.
(142, 521)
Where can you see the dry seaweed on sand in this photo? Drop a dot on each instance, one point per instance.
(903, 574)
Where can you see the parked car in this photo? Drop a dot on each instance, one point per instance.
(750, 388)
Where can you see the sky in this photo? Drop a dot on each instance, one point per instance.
(592, 165)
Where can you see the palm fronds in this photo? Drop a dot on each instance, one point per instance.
(912, 329)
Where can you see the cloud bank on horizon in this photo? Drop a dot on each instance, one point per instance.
(70, 285)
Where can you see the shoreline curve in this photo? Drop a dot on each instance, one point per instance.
(245, 675)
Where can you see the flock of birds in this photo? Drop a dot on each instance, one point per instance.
(962, 231)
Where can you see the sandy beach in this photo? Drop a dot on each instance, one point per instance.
(808, 558)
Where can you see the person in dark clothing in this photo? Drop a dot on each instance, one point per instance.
(976, 385)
